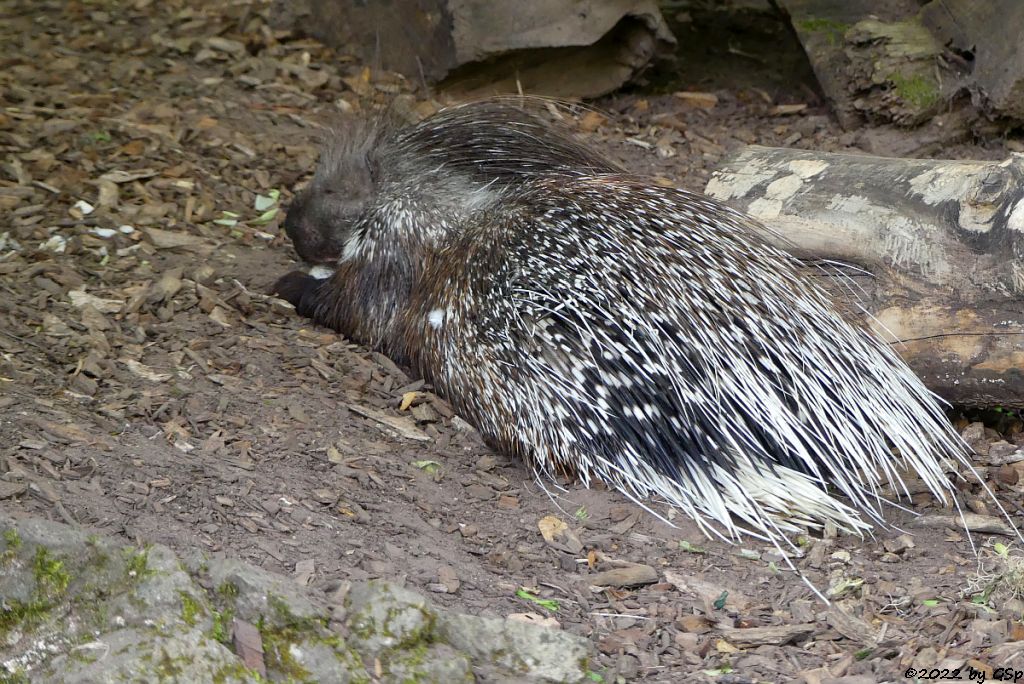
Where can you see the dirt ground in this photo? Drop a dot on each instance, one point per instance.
(149, 390)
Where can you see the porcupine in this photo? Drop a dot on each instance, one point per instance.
(592, 322)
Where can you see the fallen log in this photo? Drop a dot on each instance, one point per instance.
(940, 244)
(470, 48)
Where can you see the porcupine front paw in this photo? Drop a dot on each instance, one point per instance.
(298, 289)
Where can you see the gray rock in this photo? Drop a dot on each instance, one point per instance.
(78, 608)
(259, 593)
(545, 655)
(436, 663)
(383, 617)
(138, 655)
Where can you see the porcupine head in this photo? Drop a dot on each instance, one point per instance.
(375, 208)
(455, 162)
(320, 218)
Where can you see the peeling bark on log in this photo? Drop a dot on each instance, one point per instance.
(906, 65)
(942, 240)
(872, 62)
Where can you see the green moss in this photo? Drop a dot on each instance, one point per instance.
(284, 616)
(51, 578)
(19, 676)
(289, 630)
(84, 655)
(234, 672)
(916, 90)
(221, 620)
(277, 652)
(191, 609)
(100, 558)
(168, 668)
(137, 563)
(51, 582)
(13, 539)
(832, 30)
(227, 591)
(409, 665)
(223, 598)
(415, 656)
(365, 627)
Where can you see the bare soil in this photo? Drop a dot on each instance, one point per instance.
(149, 389)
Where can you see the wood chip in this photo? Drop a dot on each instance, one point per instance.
(535, 619)
(591, 121)
(121, 176)
(787, 109)
(988, 524)
(447, 576)
(69, 432)
(305, 570)
(81, 299)
(12, 489)
(708, 591)
(509, 503)
(852, 627)
(558, 535)
(144, 371)
(698, 99)
(402, 425)
(768, 636)
(271, 549)
(169, 239)
(629, 576)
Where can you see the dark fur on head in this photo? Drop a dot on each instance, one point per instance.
(483, 145)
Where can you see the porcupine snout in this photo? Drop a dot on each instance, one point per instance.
(312, 209)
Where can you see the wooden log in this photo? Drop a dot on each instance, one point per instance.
(940, 244)
(563, 48)
(875, 63)
(988, 35)
(906, 65)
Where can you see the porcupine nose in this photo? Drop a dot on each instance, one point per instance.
(301, 230)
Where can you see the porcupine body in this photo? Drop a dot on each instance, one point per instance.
(591, 322)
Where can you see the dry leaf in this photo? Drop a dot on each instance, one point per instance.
(169, 239)
(698, 99)
(81, 299)
(145, 371)
(550, 527)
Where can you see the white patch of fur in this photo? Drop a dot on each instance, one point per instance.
(480, 199)
(436, 318)
(321, 272)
